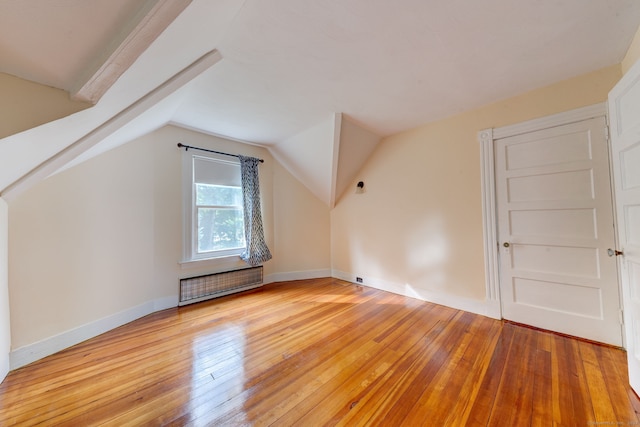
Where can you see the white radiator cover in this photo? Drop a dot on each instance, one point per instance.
(200, 288)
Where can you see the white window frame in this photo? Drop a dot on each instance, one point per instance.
(189, 220)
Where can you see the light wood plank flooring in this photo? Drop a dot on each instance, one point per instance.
(322, 352)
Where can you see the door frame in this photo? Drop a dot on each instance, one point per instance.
(619, 128)
(487, 138)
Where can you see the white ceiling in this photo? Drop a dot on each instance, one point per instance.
(291, 64)
(395, 65)
(52, 41)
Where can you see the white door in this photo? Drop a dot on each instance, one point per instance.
(624, 112)
(555, 224)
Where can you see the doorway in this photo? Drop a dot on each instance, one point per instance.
(554, 226)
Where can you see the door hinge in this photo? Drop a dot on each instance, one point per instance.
(606, 132)
(621, 315)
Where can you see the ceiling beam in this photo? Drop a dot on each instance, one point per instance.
(116, 122)
(134, 37)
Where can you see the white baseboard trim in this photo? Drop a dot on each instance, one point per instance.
(30, 353)
(485, 308)
(166, 302)
(297, 275)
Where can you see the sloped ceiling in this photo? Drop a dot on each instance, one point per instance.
(51, 42)
(290, 65)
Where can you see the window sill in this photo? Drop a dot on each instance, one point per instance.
(210, 262)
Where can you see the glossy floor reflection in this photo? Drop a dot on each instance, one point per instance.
(322, 352)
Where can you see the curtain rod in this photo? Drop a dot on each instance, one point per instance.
(186, 147)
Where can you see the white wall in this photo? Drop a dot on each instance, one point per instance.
(301, 228)
(633, 53)
(356, 145)
(25, 104)
(5, 326)
(417, 229)
(99, 244)
(314, 147)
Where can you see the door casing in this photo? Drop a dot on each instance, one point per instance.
(624, 113)
(486, 139)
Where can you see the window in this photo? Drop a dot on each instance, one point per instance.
(214, 221)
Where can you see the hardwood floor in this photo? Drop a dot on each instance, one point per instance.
(322, 352)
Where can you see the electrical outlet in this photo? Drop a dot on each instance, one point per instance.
(359, 279)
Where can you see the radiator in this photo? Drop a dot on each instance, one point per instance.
(200, 288)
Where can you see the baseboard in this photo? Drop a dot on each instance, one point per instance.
(297, 275)
(166, 302)
(485, 308)
(30, 353)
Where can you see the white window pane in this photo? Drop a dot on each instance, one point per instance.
(220, 229)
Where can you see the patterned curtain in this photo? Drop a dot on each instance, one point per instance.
(257, 251)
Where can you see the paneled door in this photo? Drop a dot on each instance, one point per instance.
(555, 225)
(624, 111)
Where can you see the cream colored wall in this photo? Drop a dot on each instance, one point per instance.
(105, 236)
(314, 147)
(5, 326)
(81, 245)
(25, 104)
(633, 53)
(356, 145)
(418, 226)
(301, 228)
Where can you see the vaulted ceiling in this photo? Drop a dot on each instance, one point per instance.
(274, 69)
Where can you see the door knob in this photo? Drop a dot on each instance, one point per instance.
(506, 244)
(612, 252)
